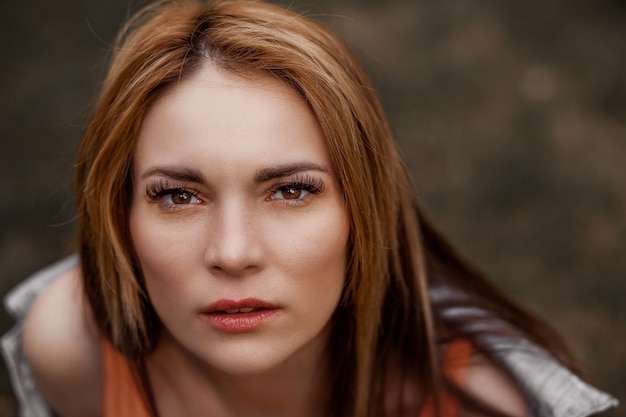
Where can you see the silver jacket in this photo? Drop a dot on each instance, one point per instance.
(552, 390)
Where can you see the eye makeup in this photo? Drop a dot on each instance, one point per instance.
(296, 188)
(170, 195)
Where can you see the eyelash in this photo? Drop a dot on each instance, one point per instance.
(308, 183)
(161, 188)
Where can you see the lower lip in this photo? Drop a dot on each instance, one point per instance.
(240, 322)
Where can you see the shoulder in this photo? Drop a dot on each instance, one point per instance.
(493, 386)
(62, 347)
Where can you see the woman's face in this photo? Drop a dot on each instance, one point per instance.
(238, 221)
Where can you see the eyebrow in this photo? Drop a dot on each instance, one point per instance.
(270, 173)
(262, 175)
(177, 174)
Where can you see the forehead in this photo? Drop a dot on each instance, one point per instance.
(216, 115)
(212, 79)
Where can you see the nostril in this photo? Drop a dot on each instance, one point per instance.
(233, 271)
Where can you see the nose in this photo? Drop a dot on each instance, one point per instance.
(233, 243)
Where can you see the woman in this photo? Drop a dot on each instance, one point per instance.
(250, 244)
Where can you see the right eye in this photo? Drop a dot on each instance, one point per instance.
(172, 195)
(179, 196)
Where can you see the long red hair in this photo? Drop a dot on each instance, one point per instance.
(386, 322)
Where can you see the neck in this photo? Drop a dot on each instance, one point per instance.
(298, 387)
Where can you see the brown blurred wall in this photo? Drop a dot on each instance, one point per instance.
(511, 115)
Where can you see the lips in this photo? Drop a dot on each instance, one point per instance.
(238, 316)
(241, 310)
(234, 306)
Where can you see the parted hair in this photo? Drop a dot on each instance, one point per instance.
(386, 329)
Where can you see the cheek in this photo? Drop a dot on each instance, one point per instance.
(317, 251)
(163, 251)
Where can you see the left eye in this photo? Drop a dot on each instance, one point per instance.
(181, 197)
(289, 192)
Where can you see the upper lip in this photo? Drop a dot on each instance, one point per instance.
(223, 305)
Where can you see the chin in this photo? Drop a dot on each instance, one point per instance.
(251, 362)
(251, 356)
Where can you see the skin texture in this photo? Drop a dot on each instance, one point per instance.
(235, 198)
(63, 349)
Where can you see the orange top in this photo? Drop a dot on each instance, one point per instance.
(455, 364)
(121, 396)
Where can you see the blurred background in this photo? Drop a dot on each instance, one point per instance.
(511, 116)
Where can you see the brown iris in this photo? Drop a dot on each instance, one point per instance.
(291, 193)
(181, 197)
